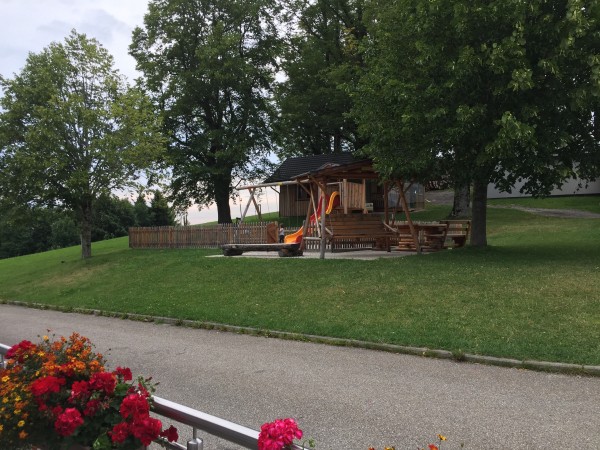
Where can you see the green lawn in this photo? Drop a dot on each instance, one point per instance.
(583, 202)
(533, 294)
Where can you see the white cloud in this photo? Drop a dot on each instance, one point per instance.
(30, 25)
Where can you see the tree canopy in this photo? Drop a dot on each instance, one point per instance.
(319, 58)
(209, 65)
(490, 91)
(71, 129)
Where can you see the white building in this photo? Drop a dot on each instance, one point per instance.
(570, 187)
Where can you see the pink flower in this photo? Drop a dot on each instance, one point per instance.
(278, 435)
(67, 422)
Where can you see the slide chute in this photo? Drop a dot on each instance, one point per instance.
(333, 201)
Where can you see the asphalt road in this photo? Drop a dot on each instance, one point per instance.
(345, 398)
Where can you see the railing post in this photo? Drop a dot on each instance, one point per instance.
(195, 443)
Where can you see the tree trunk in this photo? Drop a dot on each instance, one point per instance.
(86, 229)
(462, 199)
(337, 141)
(222, 185)
(478, 231)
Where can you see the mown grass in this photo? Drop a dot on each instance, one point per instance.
(589, 203)
(533, 294)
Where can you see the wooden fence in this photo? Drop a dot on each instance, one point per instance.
(214, 236)
(202, 236)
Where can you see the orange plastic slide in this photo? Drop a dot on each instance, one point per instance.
(296, 238)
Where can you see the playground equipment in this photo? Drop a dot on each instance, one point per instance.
(332, 201)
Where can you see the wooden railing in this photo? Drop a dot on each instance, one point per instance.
(198, 420)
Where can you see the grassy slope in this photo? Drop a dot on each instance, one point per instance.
(583, 202)
(533, 294)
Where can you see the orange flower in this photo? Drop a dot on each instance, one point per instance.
(433, 447)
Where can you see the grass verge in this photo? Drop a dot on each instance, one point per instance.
(533, 294)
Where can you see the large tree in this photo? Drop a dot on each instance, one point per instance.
(71, 129)
(210, 65)
(491, 91)
(320, 57)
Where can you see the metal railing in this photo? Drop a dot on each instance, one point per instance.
(198, 420)
(3, 350)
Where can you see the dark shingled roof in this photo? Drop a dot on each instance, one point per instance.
(292, 167)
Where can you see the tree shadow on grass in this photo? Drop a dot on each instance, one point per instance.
(537, 254)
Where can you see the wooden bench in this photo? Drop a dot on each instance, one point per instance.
(282, 249)
(458, 233)
(355, 231)
(431, 236)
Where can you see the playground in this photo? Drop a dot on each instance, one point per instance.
(339, 217)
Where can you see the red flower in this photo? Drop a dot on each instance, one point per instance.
(142, 390)
(120, 432)
(124, 372)
(146, 429)
(20, 350)
(134, 405)
(79, 390)
(103, 381)
(433, 447)
(68, 421)
(170, 433)
(91, 408)
(46, 385)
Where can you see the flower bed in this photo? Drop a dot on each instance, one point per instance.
(56, 394)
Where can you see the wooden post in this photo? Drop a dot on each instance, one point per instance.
(323, 199)
(257, 209)
(314, 204)
(411, 226)
(251, 190)
(306, 224)
(364, 196)
(323, 208)
(386, 213)
(345, 195)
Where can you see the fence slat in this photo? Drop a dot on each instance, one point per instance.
(198, 237)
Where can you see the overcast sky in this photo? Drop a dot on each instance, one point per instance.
(30, 25)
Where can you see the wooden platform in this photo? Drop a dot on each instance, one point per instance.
(352, 231)
(283, 250)
(434, 236)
